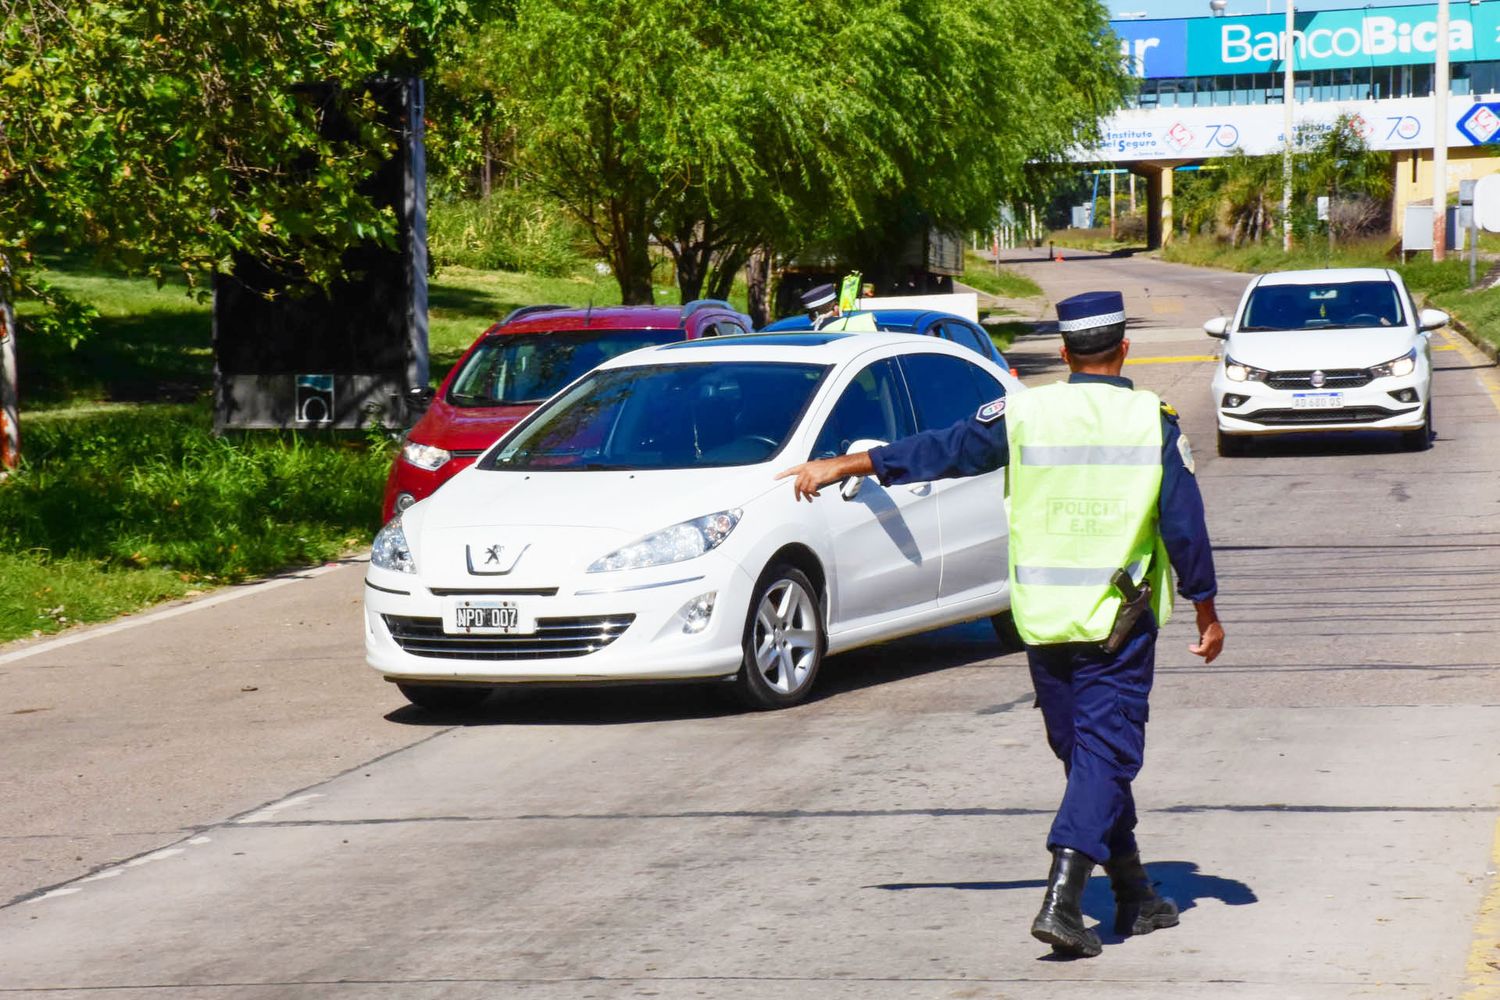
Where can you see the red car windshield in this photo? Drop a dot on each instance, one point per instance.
(509, 369)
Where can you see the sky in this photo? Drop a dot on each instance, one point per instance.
(1132, 9)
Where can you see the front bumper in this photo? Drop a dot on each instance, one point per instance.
(595, 628)
(1389, 403)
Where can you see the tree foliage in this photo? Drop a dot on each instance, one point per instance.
(170, 134)
(722, 128)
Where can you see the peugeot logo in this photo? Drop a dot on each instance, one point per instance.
(1317, 380)
(493, 560)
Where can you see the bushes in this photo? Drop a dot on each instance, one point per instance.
(511, 230)
(155, 488)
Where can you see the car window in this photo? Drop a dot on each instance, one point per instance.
(507, 369)
(872, 407)
(963, 333)
(945, 389)
(1335, 305)
(665, 417)
(725, 328)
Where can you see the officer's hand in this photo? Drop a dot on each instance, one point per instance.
(809, 477)
(1210, 633)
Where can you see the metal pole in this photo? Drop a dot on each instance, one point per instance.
(1288, 90)
(1111, 204)
(1440, 138)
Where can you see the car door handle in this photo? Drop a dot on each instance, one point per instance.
(920, 489)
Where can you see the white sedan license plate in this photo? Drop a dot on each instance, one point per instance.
(485, 617)
(1317, 400)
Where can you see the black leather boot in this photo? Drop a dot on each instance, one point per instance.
(1138, 907)
(1060, 922)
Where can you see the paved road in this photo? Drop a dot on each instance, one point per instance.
(1322, 800)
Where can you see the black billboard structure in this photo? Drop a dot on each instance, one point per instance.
(350, 355)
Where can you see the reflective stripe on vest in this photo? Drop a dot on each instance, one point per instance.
(1085, 478)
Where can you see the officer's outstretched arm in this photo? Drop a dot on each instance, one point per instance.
(813, 476)
(1210, 631)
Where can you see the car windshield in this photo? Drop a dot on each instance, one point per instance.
(507, 369)
(1338, 306)
(665, 417)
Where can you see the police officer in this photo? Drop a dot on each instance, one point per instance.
(823, 309)
(822, 305)
(1101, 480)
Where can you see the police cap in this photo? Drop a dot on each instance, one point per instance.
(818, 297)
(1092, 322)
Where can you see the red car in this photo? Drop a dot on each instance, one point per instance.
(521, 361)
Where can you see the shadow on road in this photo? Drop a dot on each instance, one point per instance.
(615, 704)
(1181, 880)
(1330, 445)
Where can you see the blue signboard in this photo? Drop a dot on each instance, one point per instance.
(1154, 49)
(1481, 124)
(1324, 39)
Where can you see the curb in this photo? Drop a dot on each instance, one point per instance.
(1489, 350)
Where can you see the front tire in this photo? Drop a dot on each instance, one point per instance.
(1233, 445)
(444, 697)
(784, 641)
(1421, 438)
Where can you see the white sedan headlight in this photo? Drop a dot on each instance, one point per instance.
(1237, 372)
(687, 540)
(1404, 365)
(390, 551)
(425, 456)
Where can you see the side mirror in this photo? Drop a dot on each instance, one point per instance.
(420, 397)
(849, 488)
(1431, 319)
(1217, 327)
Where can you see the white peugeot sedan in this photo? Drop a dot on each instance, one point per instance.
(1326, 350)
(631, 528)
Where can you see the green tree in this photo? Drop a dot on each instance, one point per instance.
(720, 130)
(169, 134)
(1338, 162)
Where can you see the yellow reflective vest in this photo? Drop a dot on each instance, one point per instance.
(1085, 477)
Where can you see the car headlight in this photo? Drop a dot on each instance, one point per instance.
(687, 540)
(425, 456)
(1237, 372)
(390, 551)
(1404, 365)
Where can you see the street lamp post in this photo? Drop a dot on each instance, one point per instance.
(1288, 93)
(1440, 138)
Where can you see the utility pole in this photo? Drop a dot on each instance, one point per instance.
(1288, 92)
(1440, 139)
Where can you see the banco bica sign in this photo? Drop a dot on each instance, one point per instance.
(1328, 39)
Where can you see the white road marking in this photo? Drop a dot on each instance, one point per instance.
(270, 811)
(246, 590)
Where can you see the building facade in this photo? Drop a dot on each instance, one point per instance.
(1213, 85)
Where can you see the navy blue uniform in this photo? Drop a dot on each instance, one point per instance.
(1094, 704)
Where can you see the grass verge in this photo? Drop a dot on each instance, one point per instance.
(981, 274)
(116, 508)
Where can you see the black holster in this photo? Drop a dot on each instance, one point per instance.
(1136, 603)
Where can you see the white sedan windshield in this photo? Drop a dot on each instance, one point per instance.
(1323, 307)
(665, 417)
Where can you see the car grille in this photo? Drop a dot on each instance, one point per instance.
(1338, 378)
(1343, 415)
(554, 638)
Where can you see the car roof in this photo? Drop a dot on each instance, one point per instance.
(542, 319)
(1327, 276)
(808, 348)
(905, 318)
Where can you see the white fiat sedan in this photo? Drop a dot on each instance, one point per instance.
(1326, 350)
(631, 529)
